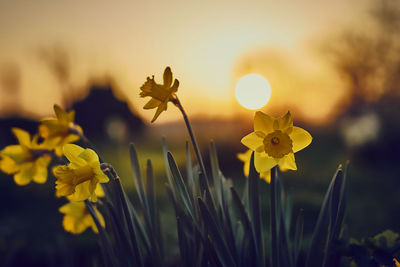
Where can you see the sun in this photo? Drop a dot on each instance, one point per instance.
(253, 91)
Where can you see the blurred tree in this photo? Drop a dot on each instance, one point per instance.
(57, 59)
(370, 61)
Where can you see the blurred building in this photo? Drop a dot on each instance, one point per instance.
(102, 115)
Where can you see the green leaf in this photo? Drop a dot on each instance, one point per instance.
(153, 222)
(215, 174)
(254, 208)
(247, 243)
(132, 232)
(215, 236)
(167, 169)
(137, 178)
(319, 243)
(105, 244)
(181, 189)
(190, 174)
(337, 224)
(298, 236)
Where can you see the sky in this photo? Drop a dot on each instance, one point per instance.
(208, 44)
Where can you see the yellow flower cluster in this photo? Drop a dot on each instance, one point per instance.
(28, 160)
(78, 181)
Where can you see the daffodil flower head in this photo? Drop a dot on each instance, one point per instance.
(160, 94)
(275, 140)
(77, 218)
(78, 180)
(61, 130)
(245, 157)
(28, 160)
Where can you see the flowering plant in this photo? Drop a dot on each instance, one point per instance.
(216, 226)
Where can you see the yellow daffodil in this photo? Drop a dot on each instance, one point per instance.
(61, 130)
(275, 140)
(27, 161)
(245, 157)
(77, 218)
(396, 262)
(160, 94)
(80, 177)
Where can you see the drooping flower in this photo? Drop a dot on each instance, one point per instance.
(80, 177)
(245, 157)
(160, 94)
(77, 217)
(28, 160)
(275, 140)
(61, 130)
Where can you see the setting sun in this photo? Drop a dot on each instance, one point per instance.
(253, 91)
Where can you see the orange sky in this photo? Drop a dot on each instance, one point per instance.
(208, 44)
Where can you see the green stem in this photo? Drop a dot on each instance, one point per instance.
(189, 127)
(273, 225)
(106, 247)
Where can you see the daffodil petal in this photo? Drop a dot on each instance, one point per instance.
(263, 122)
(288, 162)
(160, 109)
(61, 115)
(174, 87)
(81, 191)
(22, 136)
(40, 173)
(252, 141)
(89, 155)
(72, 153)
(266, 176)
(300, 137)
(167, 77)
(263, 163)
(71, 116)
(8, 165)
(99, 191)
(285, 121)
(245, 157)
(153, 103)
(24, 176)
